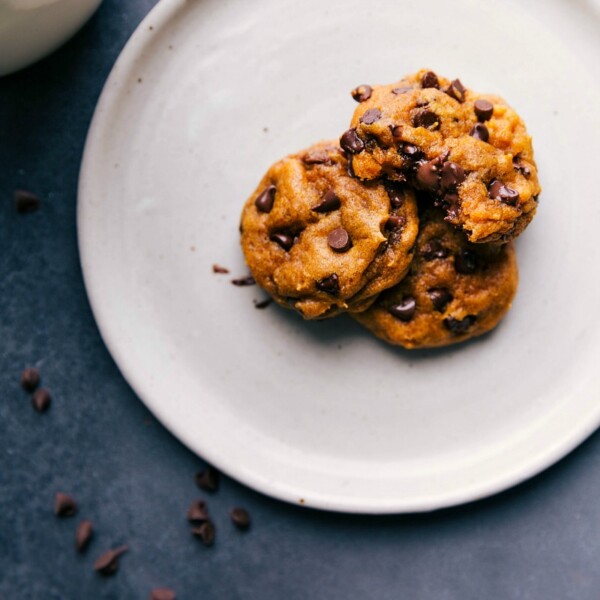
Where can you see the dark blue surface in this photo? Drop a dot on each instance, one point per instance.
(135, 481)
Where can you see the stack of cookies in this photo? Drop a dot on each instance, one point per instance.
(407, 222)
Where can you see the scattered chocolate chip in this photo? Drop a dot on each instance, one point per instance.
(244, 281)
(206, 532)
(285, 240)
(108, 563)
(401, 90)
(265, 200)
(433, 249)
(30, 379)
(484, 109)
(452, 175)
(83, 535)
(316, 157)
(64, 505)
(162, 594)
(220, 269)
(498, 191)
(480, 132)
(329, 202)
(329, 284)
(208, 479)
(351, 143)
(430, 80)
(459, 326)
(439, 297)
(456, 90)
(405, 310)
(26, 202)
(362, 93)
(395, 223)
(396, 195)
(339, 240)
(426, 118)
(371, 116)
(240, 518)
(465, 262)
(197, 512)
(262, 303)
(428, 175)
(41, 400)
(521, 166)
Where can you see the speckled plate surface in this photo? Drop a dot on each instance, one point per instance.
(203, 98)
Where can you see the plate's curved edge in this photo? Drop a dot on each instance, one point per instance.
(157, 17)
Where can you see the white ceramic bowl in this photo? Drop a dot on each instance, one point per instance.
(31, 29)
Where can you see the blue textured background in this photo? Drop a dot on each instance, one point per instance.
(135, 481)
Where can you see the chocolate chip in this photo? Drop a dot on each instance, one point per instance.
(265, 200)
(329, 284)
(64, 505)
(371, 116)
(484, 109)
(206, 532)
(197, 512)
(220, 269)
(521, 166)
(208, 479)
(240, 518)
(351, 143)
(26, 202)
(395, 223)
(430, 80)
(498, 191)
(401, 90)
(83, 535)
(396, 194)
(244, 281)
(162, 594)
(426, 118)
(428, 175)
(317, 157)
(285, 240)
(405, 310)
(456, 90)
(452, 175)
(339, 240)
(108, 563)
(30, 379)
(480, 132)
(451, 202)
(411, 152)
(362, 93)
(262, 303)
(433, 249)
(465, 262)
(439, 297)
(41, 400)
(459, 326)
(329, 202)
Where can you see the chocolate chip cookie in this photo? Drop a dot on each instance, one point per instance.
(455, 290)
(320, 241)
(470, 152)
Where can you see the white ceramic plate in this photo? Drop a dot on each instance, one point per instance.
(205, 96)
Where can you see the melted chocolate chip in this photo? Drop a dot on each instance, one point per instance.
(456, 90)
(401, 90)
(440, 297)
(329, 284)
(371, 116)
(317, 157)
(465, 262)
(498, 191)
(459, 326)
(30, 379)
(362, 93)
(451, 203)
(240, 518)
(521, 167)
(339, 240)
(480, 132)
(484, 109)
(426, 118)
(208, 479)
(430, 80)
(452, 175)
(108, 563)
(396, 194)
(329, 202)
(428, 175)
(404, 310)
(64, 505)
(395, 223)
(285, 240)
(351, 143)
(206, 533)
(265, 200)
(433, 249)
(83, 535)
(411, 152)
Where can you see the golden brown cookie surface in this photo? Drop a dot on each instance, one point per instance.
(320, 241)
(454, 290)
(470, 152)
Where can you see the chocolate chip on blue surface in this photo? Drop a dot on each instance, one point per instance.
(26, 202)
(459, 326)
(329, 202)
(208, 479)
(108, 563)
(401, 90)
(64, 505)
(41, 400)
(371, 116)
(430, 80)
(498, 191)
(456, 90)
(285, 240)
(351, 142)
(329, 284)
(404, 310)
(264, 201)
(162, 594)
(425, 118)
(244, 281)
(480, 132)
(206, 533)
(339, 240)
(197, 512)
(433, 249)
(30, 379)
(362, 92)
(440, 297)
(466, 262)
(484, 109)
(83, 535)
(396, 194)
(395, 223)
(240, 518)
